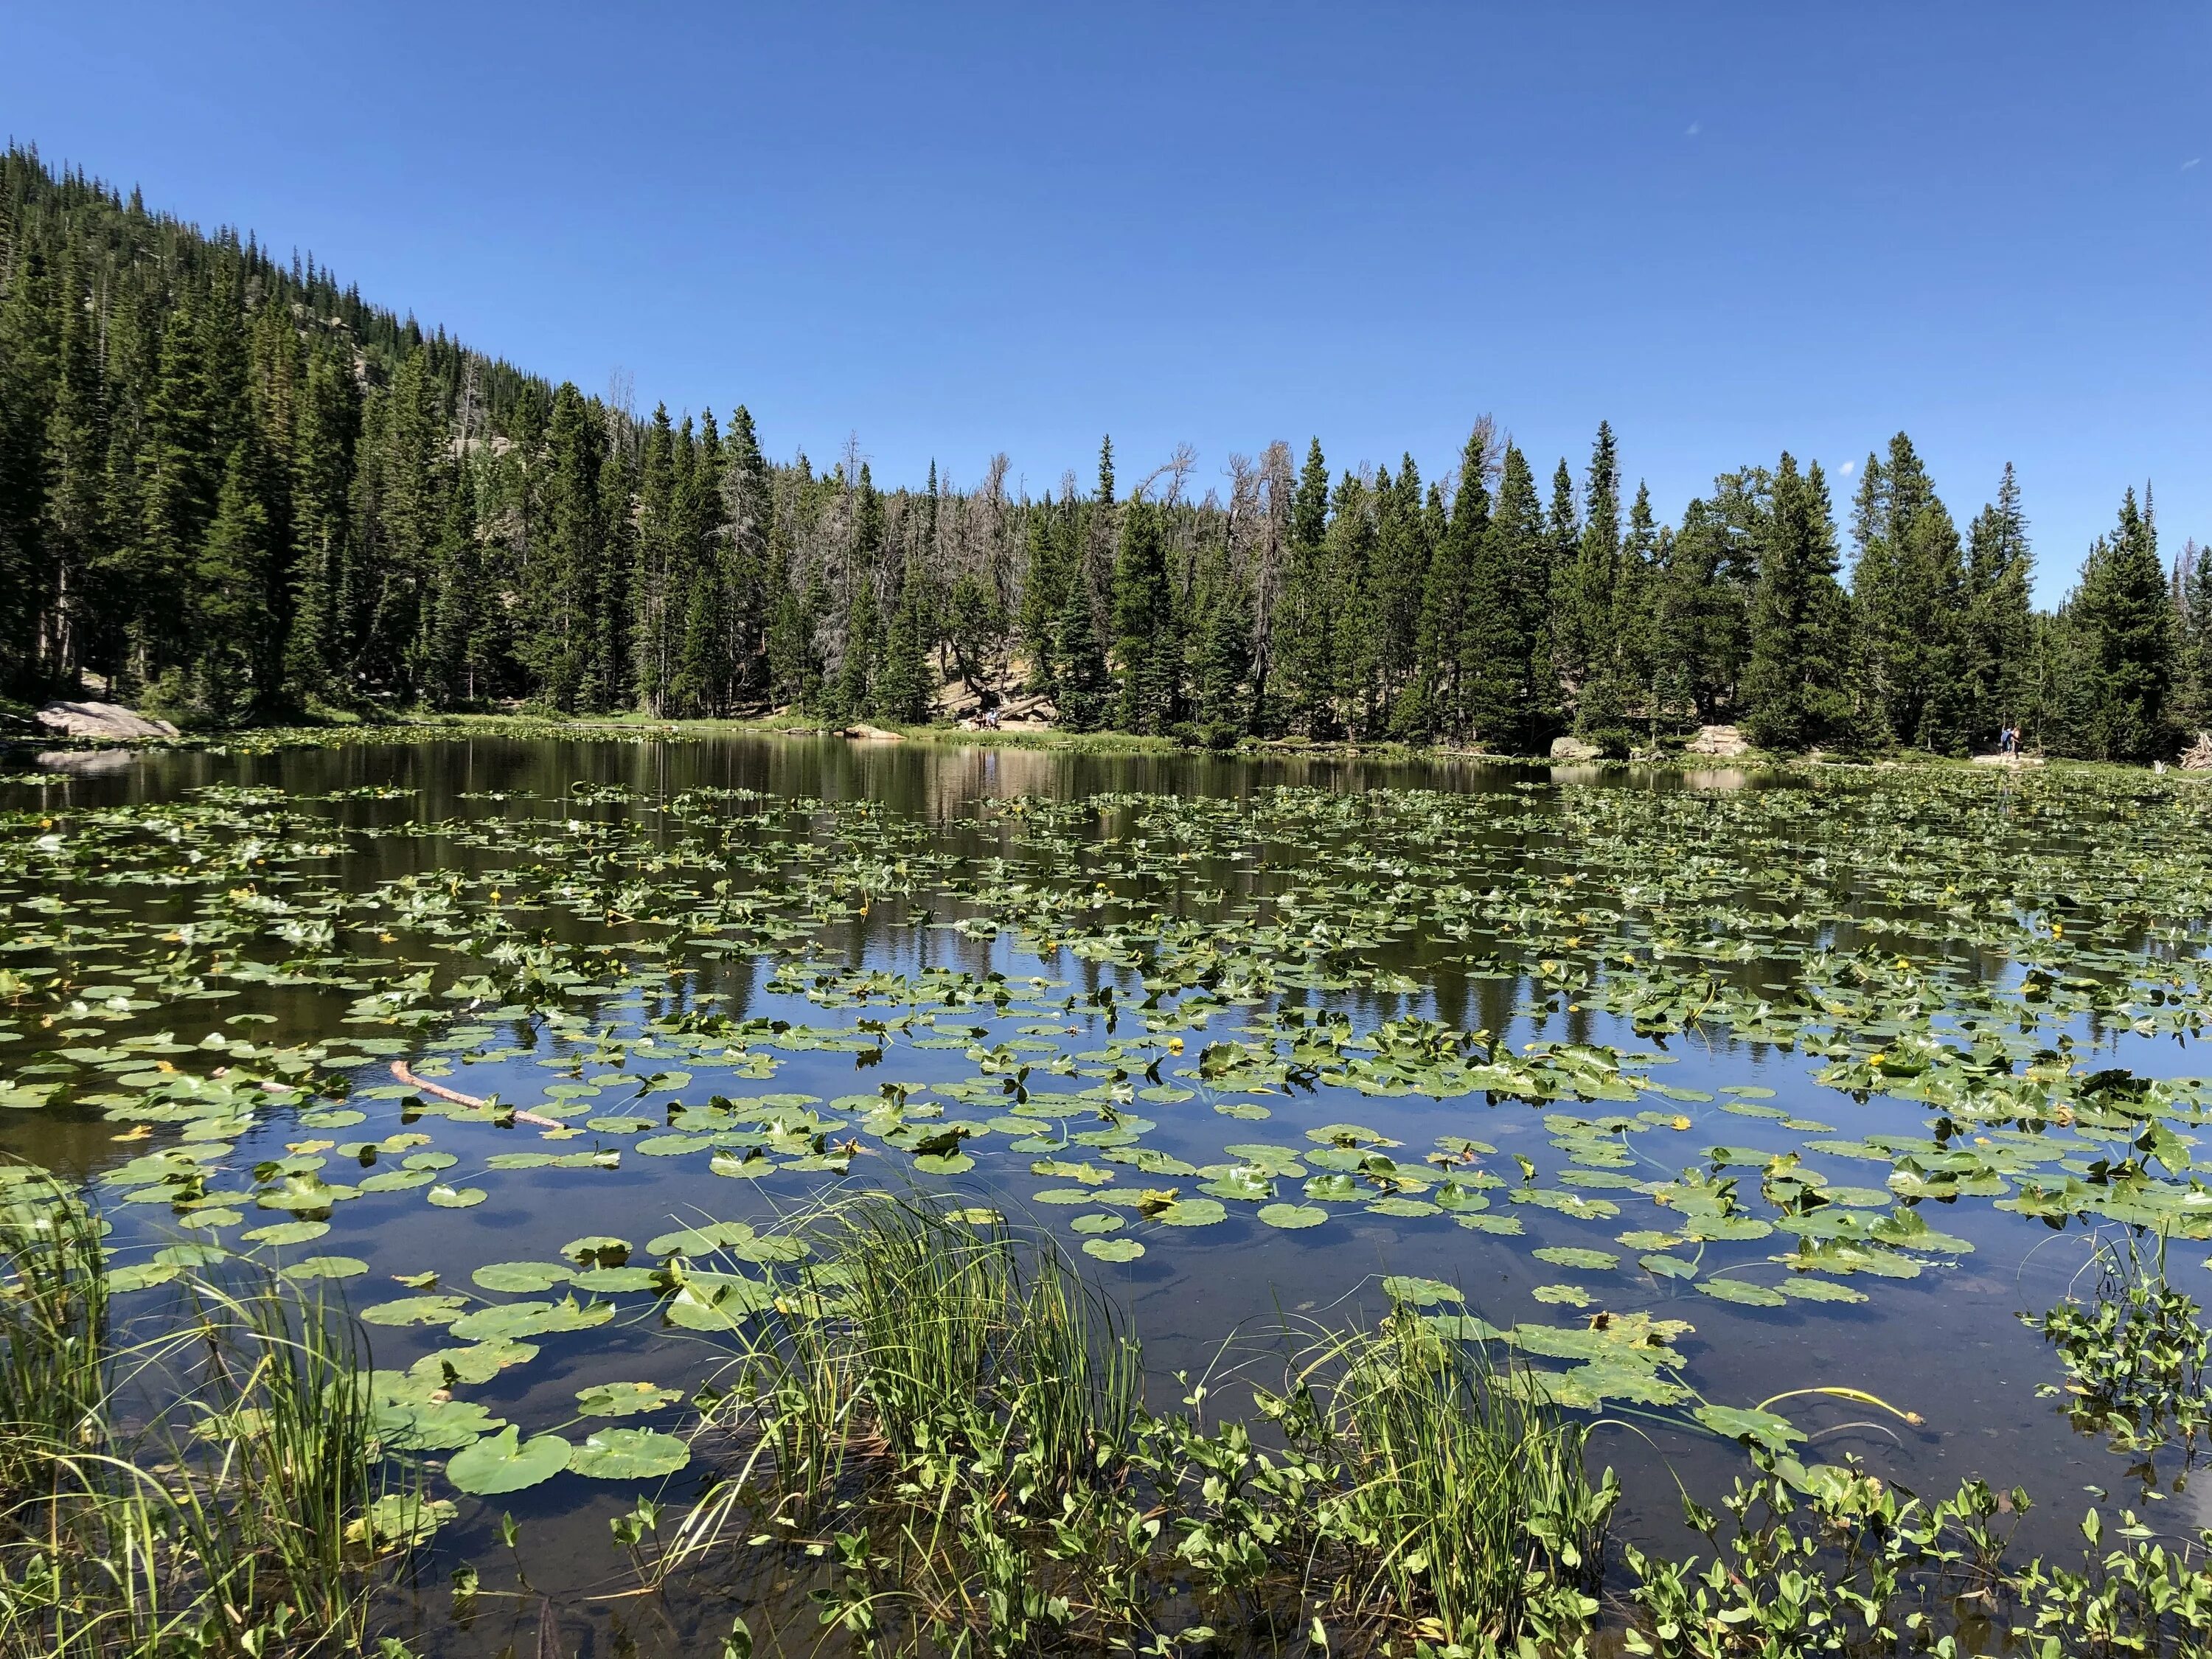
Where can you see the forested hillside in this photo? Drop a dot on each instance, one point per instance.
(232, 491)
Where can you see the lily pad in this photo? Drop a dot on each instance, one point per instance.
(628, 1455)
(503, 1463)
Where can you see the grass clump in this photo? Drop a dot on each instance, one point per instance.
(948, 1425)
(216, 1488)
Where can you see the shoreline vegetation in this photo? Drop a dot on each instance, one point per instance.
(232, 491)
(19, 734)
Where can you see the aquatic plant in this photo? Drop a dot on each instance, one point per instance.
(948, 1418)
(214, 1486)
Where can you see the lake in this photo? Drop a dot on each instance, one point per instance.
(1820, 1080)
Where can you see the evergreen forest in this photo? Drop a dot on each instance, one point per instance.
(232, 491)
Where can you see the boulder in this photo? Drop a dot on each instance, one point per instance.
(1721, 741)
(1574, 748)
(2014, 760)
(110, 721)
(863, 733)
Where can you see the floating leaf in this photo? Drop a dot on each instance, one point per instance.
(503, 1463)
(628, 1455)
(624, 1399)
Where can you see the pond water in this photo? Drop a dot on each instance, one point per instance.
(1842, 1075)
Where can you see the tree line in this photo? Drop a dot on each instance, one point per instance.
(232, 491)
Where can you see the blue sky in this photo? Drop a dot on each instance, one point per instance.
(956, 229)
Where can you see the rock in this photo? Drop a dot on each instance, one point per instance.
(108, 720)
(1574, 748)
(863, 733)
(1723, 741)
(2008, 760)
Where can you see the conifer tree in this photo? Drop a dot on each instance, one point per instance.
(2125, 616)
(230, 633)
(1505, 668)
(1794, 691)
(1303, 647)
(1448, 595)
(1084, 686)
(1908, 593)
(2192, 666)
(1146, 646)
(1998, 626)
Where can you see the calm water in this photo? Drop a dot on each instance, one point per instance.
(1949, 1345)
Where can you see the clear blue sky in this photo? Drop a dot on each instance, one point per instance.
(956, 230)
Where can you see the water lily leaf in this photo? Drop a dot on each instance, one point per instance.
(1420, 1293)
(325, 1267)
(503, 1463)
(456, 1198)
(287, 1232)
(1113, 1249)
(1667, 1267)
(521, 1276)
(628, 1455)
(1565, 1256)
(1747, 1425)
(416, 1310)
(398, 1521)
(597, 1250)
(600, 1279)
(1190, 1213)
(1099, 1222)
(478, 1363)
(1819, 1290)
(624, 1399)
(520, 1319)
(1740, 1290)
(1291, 1217)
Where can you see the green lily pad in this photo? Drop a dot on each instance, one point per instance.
(416, 1310)
(325, 1267)
(502, 1463)
(513, 1277)
(1113, 1249)
(624, 1399)
(1740, 1290)
(1291, 1217)
(628, 1455)
(1565, 1255)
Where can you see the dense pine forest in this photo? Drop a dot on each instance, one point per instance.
(231, 490)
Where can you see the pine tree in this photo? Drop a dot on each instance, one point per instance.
(1084, 685)
(1793, 689)
(1448, 595)
(73, 520)
(1908, 593)
(1998, 627)
(2192, 675)
(2126, 618)
(1146, 644)
(230, 635)
(1303, 647)
(1505, 668)
(903, 687)
(28, 348)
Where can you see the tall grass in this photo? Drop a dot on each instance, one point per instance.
(949, 1422)
(209, 1489)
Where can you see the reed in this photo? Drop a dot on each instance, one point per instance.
(213, 1488)
(947, 1422)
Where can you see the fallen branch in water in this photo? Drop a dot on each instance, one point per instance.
(399, 1070)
